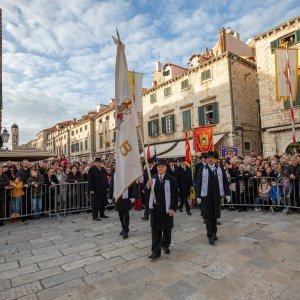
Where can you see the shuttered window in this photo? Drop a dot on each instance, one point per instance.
(208, 114)
(186, 120)
(168, 124)
(153, 128)
(153, 98)
(205, 75)
(184, 84)
(167, 91)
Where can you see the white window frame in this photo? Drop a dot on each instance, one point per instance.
(206, 112)
(169, 124)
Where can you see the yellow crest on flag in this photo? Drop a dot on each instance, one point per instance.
(204, 139)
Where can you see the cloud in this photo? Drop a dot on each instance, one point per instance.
(59, 57)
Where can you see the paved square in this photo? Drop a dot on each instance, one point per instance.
(256, 257)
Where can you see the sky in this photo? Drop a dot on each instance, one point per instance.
(59, 56)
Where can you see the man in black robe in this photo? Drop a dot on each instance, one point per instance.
(172, 168)
(201, 164)
(184, 181)
(163, 200)
(97, 187)
(153, 171)
(212, 184)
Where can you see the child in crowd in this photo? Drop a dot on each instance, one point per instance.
(17, 193)
(275, 194)
(264, 189)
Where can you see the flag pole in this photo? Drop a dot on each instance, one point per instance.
(142, 141)
(291, 96)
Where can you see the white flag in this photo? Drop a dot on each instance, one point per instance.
(136, 86)
(286, 82)
(128, 167)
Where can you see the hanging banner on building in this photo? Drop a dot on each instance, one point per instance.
(136, 84)
(203, 139)
(286, 64)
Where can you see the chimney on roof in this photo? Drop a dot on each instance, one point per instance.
(74, 120)
(222, 40)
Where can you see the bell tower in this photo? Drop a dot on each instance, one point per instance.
(14, 137)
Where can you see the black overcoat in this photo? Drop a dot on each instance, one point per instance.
(97, 182)
(124, 205)
(211, 205)
(160, 220)
(184, 181)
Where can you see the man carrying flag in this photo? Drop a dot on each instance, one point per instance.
(184, 179)
(128, 168)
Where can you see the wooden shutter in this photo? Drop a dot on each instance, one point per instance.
(163, 124)
(149, 129)
(189, 121)
(173, 122)
(274, 44)
(157, 127)
(297, 33)
(215, 106)
(201, 116)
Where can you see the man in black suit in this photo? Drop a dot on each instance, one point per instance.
(212, 185)
(172, 168)
(163, 200)
(97, 187)
(185, 182)
(202, 163)
(153, 171)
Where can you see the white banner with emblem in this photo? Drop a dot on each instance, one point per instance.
(128, 167)
(286, 62)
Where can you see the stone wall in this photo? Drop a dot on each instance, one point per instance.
(273, 113)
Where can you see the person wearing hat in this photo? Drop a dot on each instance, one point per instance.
(212, 185)
(185, 182)
(202, 163)
(163, 205)
(172, 168)
(97, 187)
(153, 171)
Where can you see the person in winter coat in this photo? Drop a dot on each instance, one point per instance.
(17, 193)
(74, 189)
(163, 201)
(97, 187)
(212, 184)
(184, 182)
(36, 181)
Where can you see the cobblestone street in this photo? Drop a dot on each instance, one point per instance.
(257, 257)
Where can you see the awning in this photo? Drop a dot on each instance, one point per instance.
(160, 148)
(179, 149)
(21, 153)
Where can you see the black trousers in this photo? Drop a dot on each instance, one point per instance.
(184, 201)
(124, 218)
(160, 239)
(211, 226)
(96, 210)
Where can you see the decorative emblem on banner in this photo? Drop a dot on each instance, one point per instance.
(123, 109)
(204, 139)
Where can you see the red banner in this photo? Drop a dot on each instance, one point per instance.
(187, 150)
(203, 139)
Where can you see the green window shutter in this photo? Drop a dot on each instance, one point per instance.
(201, 116)
(149, 129)
(163, 124)
(189, 126)
(157, 127)
(215, 106)
(274, 44)
(297, 33)
(173, 123)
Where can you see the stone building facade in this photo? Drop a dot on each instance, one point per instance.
(219, 88)
(275, 116)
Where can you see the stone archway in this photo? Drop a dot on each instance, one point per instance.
(293, 149)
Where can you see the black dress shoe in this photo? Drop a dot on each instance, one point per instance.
(167, 250)
(96, 219)
(104, 216)
(153, 256)
(145, 218)
(211, 241)
(219, 223)
(180, 209)
(125, 235)
(189, 213)
(121, 232)
(215, 237)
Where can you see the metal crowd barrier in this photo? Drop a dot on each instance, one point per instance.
(252, 193)
(46, 200)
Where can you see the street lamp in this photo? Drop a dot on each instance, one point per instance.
(4, 137)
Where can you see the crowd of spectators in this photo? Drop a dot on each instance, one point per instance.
(263, 183)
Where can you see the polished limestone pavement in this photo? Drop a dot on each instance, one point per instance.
(257, 256)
